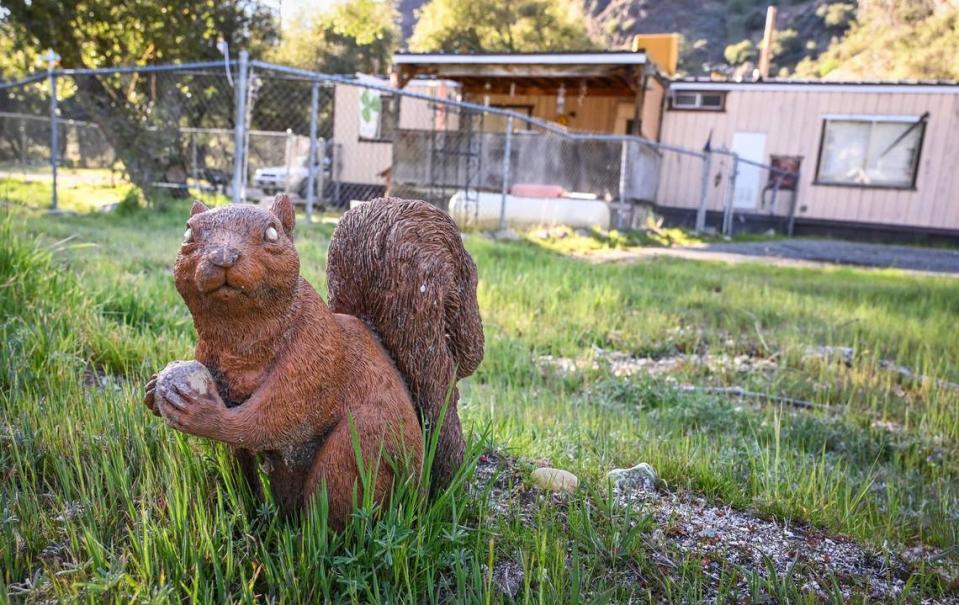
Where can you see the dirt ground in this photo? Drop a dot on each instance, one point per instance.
(809, 252)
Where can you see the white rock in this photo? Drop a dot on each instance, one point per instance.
(642, 476)
(555, 480)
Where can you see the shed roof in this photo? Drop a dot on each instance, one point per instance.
(532, 58)
(617, 73)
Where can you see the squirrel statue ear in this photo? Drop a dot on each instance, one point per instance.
(283, 209)
(198, 207)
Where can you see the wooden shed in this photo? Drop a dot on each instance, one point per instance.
(606, 92)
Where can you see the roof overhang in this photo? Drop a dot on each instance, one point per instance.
(609, 73)
(584, 58)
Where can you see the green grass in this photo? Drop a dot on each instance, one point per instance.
(79, 190)
(100, 501)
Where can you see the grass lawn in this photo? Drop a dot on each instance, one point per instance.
(588, 368)
(78, 189)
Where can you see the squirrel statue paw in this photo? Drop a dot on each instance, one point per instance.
(187, 398)
(149, 397)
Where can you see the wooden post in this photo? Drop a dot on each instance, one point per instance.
(769, 34)
(638, 102)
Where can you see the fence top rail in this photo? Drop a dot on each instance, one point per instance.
(124, 69)
(23, 81)
(36, 118)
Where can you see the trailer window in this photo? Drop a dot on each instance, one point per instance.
(870, 151)
(698, 101)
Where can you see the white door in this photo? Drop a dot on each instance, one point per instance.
(749, 179)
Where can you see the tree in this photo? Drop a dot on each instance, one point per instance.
(350, 37)
(838, 15)
(739, 53)
(501, 26)
(138, 115)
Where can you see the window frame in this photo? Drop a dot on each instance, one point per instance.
(920, 121)
(699, 100)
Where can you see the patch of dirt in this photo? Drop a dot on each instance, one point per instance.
(624, 365)
(689, 526)
(98, 378)
(847, 357)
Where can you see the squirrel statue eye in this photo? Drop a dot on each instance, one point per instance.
(271, 235)
(188, 236)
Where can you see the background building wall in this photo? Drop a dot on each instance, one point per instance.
(792, 121)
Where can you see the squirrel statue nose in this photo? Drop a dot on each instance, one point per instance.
(224, 257)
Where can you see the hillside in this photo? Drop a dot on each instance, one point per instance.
(908, 39)
(838, 39)
(708, 26)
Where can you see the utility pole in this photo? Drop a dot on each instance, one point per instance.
(769, 36)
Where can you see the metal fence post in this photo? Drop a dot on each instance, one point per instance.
(791, 226)
(311, 163)
(321, 170)
(335, 171)
(507, 151)
(623, 170)
(704, 193)
(23, 142)
(54, 136)
(730, 198)
(239, 135)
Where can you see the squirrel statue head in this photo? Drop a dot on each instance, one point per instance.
(238, 260)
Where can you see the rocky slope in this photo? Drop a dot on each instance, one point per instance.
(707, 26)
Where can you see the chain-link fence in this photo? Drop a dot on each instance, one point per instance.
(243, 131)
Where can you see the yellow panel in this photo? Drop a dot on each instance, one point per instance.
(663, 49)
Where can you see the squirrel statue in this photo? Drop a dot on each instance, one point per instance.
(295, 380)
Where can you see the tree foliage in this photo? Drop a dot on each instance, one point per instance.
(350, 37)
(906, 39)
(98, 33)
(501, 26)
(739, 53)
(138, 115)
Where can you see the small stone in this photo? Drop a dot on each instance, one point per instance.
(640, 477)
(191, 374)
(508, 578)
(555, 480)
(187, 375)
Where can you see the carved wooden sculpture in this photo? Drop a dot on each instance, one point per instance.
(288, 375)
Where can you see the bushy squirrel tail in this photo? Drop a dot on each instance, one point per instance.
(400, 266)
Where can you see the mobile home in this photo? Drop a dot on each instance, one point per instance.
(875, 158)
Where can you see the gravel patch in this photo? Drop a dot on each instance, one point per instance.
(688, 526)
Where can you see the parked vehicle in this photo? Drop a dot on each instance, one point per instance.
(293, 178)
